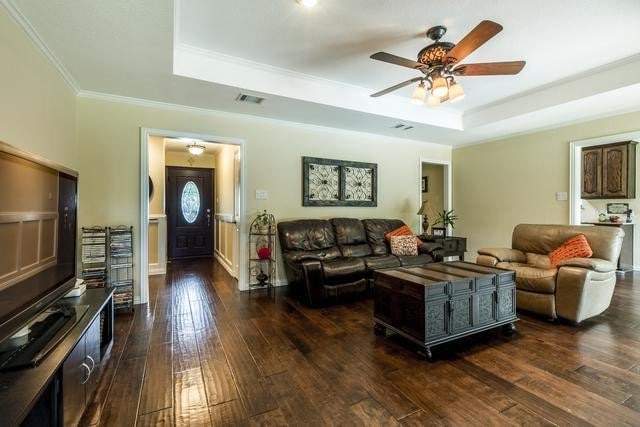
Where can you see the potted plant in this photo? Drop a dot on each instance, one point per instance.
(447, 218)
(263, 221)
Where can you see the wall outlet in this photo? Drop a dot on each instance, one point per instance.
(561, 196)
(262, 194)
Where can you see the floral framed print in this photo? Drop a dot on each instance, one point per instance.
(328, 182)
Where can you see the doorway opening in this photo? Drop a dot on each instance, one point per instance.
(435, 189)
(192, 202)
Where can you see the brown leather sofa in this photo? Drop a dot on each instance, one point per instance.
(578, 288)
(329, 258)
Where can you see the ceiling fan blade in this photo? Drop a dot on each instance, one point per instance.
(396, 60)
(476, 38)
(396, 87)
(489, 68)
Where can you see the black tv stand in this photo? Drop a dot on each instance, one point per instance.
(57, 390)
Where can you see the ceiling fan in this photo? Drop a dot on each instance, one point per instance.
(440, 65)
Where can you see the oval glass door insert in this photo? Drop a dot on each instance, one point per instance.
(190, 202)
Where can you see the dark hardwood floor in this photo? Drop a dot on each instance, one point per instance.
(202, 353)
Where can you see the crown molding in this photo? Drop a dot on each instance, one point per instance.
(35, 38)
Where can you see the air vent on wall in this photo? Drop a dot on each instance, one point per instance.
(401, 126)
(243, 97)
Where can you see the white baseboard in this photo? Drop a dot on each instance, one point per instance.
(157, 269)
(224, 262)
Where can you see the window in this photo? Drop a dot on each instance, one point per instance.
(190, 202)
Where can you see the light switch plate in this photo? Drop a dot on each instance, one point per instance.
(262, 194)
(561, 195)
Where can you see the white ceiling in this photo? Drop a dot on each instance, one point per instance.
(313, 65)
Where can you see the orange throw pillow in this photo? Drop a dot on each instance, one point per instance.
(402, 231)
(575, 247)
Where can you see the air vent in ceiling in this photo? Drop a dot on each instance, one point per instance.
(243, 97)
(401, 126)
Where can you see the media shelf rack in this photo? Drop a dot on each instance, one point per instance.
(94, 256)
(121, 266)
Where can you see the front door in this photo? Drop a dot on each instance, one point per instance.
(189, 211)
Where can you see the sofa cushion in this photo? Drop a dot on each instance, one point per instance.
(532, 279)
(378, 262)
(351, 237)
(343, 270)
(575, 247)
(306, 235)
(376, 230)
(543, 238)
(402, 231)
(403, 245)
(539, 261)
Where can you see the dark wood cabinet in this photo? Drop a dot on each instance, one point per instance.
(609, 171)
(57, 391)
(80, 374)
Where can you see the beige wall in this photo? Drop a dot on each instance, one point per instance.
(37, 108)
(225, 180)
(435, 195)
(173, 158)
(503, 183)
(156, 172)
(111, 162)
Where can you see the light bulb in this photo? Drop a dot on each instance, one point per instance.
(439, 87)
(456, 92)
(195, 149)
(418, 94)
(308, 3)
(433, 101)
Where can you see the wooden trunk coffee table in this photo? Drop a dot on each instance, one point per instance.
(440, 302)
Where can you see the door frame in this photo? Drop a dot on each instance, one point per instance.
(575, 175)
(142, 245)
(447, 185)
(212, 213)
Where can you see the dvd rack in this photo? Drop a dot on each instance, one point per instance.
(94, 256)
(121, 265)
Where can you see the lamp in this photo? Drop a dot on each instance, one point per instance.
(418, 94)
(425, 210)
(439, 87)
(456, 92)
(195, 149)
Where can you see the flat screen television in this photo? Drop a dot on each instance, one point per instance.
(38, 205)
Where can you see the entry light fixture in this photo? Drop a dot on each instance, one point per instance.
(195, 149)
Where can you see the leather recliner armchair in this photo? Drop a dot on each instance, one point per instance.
(329, 258)
(578, 288)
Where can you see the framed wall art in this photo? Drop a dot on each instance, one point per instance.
(425, 184)
(329, 182)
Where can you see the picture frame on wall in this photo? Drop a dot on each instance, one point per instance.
(438, 231)
(425, 184)
(330, 182)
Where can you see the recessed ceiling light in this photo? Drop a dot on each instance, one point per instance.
(308, 3)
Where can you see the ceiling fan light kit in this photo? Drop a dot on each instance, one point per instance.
(419, 94)
(456, 92)
(439, 87)
(440, 64)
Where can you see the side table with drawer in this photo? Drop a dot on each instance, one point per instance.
(451, 246)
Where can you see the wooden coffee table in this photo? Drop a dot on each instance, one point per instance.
(441, 302)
